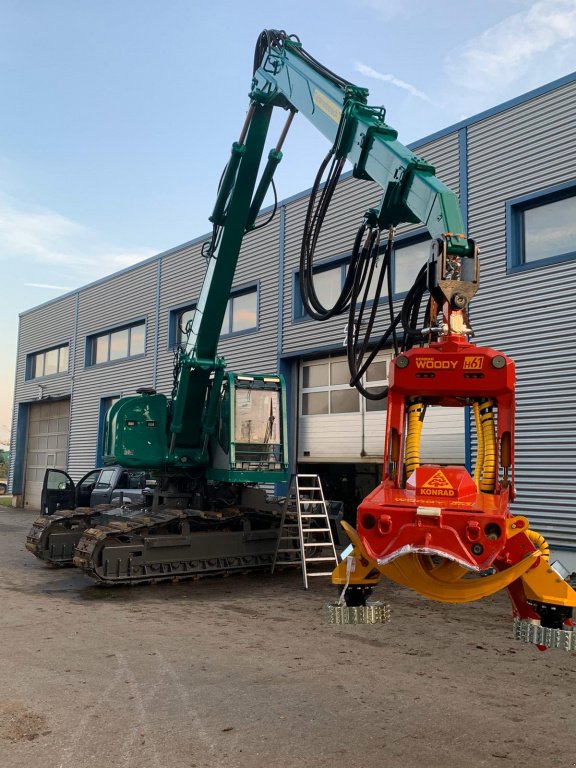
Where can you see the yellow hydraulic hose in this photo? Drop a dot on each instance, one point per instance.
(416, 411)
(480, 445)
(540, 543)
(488, 481)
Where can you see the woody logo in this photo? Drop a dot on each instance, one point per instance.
(437, 485)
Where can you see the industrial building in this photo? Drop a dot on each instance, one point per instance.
(514, 169)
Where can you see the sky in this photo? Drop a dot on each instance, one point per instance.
(118, 115)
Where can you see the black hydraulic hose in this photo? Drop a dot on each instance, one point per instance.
(361, 351)
(275, 38)
(274, 209)
(318, 204)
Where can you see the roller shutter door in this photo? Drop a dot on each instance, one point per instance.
(47, 446)
(336, 424)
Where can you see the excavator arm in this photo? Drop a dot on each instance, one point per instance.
(288, 78)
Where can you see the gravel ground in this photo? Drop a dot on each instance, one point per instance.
(242, 672)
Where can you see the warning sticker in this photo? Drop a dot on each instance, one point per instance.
(438, 480)
(437, 485)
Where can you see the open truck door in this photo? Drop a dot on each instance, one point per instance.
(60, 492)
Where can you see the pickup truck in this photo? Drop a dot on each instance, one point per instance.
(99, 486)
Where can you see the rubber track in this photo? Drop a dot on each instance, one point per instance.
(38, 538)
(89, 552)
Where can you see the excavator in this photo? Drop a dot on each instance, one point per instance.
(443, 531)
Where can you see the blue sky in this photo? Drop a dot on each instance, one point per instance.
(118, 115)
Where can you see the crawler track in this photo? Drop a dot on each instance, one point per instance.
(177, 544)
(53, 538)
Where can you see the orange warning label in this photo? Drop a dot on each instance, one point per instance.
(438, 480)
(437, 485)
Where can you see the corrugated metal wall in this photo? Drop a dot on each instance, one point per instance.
(530, 315)
(128, 298)
(49, 325)
(181, 275)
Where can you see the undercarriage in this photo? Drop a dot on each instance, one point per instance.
(159, 542)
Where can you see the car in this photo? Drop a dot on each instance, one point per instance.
(3, 488)
(103, 485)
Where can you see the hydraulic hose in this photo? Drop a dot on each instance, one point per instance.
(488, 481)
(416, 412)
(479, 445)
(540, 543)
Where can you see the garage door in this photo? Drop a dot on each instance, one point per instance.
(47, 446)
(337, 424)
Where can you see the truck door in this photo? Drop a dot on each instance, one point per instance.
(58, 491)
(104, 486)
(84, 488)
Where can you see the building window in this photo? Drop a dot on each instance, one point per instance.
(328, 284)
(48, 362)
(241, 315)
(325, 387)
(410, 255)
(541, 228)
(241, 312)
(118, 344)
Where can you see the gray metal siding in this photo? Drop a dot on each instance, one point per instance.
(48, 326)
(181, 278)
(122, 300)
(259, 262)
(530, 314)
(182, 274)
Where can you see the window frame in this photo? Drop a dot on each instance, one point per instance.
(385, 355)
(405, 241)
(31, 357)
(174, 339)
(515, 208)
(106, 402)
(91, 338)
(342, 261)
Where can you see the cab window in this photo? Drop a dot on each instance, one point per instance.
(105, 479)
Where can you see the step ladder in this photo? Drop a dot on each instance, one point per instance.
(305, 529)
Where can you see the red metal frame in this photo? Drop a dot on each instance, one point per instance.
(439, 510)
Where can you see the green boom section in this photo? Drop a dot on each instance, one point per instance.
(412, 193)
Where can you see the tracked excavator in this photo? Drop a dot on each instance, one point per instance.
(443, 531)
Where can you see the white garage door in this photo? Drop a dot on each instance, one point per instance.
(47, 445)
(337, 424)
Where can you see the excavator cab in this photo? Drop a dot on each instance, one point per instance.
(250, 444)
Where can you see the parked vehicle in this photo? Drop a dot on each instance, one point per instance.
(103, 495)
(103, 485)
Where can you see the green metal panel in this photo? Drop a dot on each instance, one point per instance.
(135, 432)
(412, 193)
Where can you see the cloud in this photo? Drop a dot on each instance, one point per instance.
(50, 287)
(537, 39)
(364, 69)
(45, 241)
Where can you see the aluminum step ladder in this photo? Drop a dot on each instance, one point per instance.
(305, 529)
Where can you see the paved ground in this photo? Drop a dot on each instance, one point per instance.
(243, 673)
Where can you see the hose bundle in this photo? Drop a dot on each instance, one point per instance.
(356, 292)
